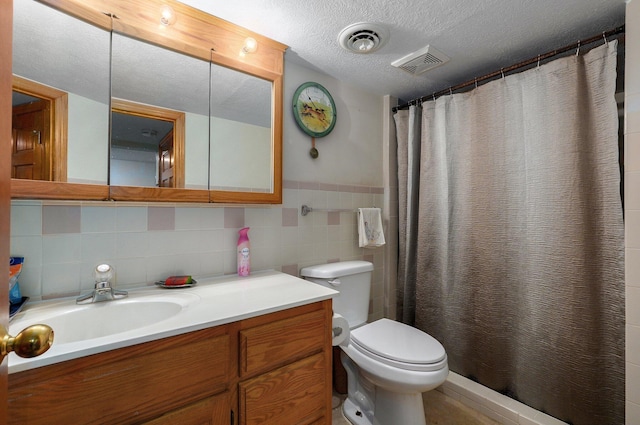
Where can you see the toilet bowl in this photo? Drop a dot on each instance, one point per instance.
(389, 364)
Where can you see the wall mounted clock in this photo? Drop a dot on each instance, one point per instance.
(314, 109)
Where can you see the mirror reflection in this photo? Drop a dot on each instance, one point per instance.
(161, 98)
(108, 109)
(241, 132)
(64, 62)
(29, 135)
(141, 151)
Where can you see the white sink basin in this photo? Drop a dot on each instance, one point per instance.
(151, 313)
(71, 322)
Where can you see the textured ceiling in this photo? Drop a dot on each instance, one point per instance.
(480, 36)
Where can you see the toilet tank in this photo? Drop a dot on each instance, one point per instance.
(352, 279)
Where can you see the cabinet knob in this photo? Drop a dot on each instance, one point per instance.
(31, 342)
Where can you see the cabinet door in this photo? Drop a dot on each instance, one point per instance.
(265, 347)
(125, 386)
(210, 411)
(293, 394)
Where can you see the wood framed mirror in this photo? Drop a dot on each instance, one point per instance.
(69, 135)
(159, 123)
(203, 38)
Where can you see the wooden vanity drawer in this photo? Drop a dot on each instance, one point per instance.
(124, 386)
(210, 411)
(293, 394)
(265, 347)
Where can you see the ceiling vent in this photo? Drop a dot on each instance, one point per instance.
(421, 61)
(363, 37)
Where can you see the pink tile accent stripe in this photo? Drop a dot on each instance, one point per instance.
(161, 218)
(61, 219)
(328, 187)
(331, 187)
(308, 185)
(289, 217)
(333, 218)
(233, 218)
(291, 269)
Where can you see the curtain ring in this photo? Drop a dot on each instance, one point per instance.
(578, 49)
(475, 81)
(450, 91)
(605, 38)
(538, 61)
(502, 72)
(434, 96)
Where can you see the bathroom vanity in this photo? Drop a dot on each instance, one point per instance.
(269, 362)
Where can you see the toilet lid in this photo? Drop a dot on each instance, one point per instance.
(399, 342)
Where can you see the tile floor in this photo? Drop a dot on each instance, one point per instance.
(440, 409)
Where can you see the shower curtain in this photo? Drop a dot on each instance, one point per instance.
(511, 235)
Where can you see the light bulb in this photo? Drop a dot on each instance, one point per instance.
(167, 15)
(250, 45)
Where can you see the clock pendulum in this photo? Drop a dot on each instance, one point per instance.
(314, 111)
(313, 151)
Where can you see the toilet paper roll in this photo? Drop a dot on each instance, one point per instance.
(339, 330)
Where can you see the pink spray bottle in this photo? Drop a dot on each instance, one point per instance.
(244, 260)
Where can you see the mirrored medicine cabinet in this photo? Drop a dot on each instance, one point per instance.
(110, 103)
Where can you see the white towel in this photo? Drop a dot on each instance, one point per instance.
(370, 232)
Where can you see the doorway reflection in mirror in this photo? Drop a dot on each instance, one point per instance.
(141, 151)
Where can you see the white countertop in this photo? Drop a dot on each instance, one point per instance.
(212, 302)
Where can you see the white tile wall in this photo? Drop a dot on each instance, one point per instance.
(632, 211)
(199, 244)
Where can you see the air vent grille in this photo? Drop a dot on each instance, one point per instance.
(421, 61)
(364, 40)
(363, 37)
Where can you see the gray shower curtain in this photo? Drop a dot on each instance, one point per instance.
(511, 235)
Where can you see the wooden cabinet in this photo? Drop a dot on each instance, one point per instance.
(275, 343)
(210, 411)
(126, 386)
(285, 368)
(210, 40)
(292, 394)
(271, 369)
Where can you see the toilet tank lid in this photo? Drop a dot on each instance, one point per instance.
(339, 269)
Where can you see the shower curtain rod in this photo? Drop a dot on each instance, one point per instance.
(503, 71)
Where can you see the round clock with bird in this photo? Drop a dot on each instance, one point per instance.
(314, 109)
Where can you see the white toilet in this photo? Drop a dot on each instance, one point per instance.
(389, 364)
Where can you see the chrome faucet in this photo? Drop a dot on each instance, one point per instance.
(103, 290)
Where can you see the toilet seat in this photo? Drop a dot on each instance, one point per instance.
(399, 345)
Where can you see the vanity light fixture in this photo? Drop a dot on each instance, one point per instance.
(167, 16)
(250, 46)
